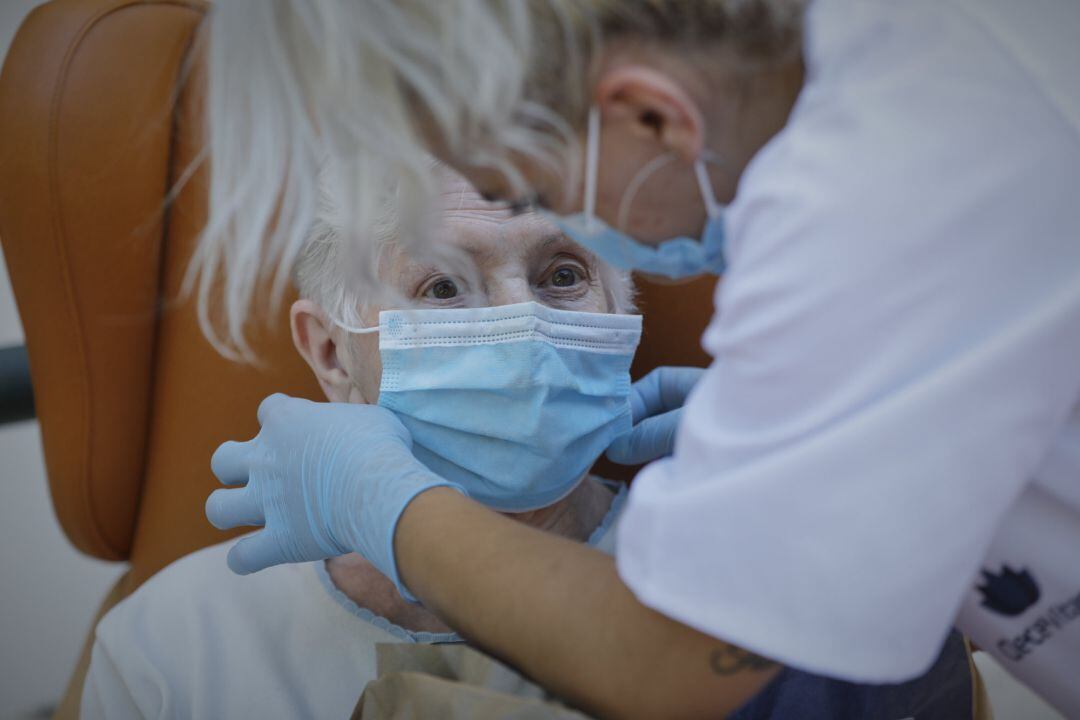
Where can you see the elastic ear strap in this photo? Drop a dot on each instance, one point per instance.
(592, 161)
(635, 185)
(358, 330)
(712, 207)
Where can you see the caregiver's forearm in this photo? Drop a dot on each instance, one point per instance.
(558, 611)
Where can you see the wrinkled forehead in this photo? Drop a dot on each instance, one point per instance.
(483, 232)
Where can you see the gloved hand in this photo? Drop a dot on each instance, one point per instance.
(656, 402)
(324, 479)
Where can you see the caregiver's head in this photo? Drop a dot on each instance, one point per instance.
(682, 94)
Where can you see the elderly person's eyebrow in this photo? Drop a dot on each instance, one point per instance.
(545, 243)
(558, 238)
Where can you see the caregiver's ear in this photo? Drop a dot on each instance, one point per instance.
(653, 105)
(313, 335)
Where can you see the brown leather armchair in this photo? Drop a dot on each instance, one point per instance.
(99, 119)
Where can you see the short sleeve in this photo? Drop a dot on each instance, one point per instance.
(896, 344)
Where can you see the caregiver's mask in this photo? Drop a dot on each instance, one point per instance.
(513, 402)
(675, 258)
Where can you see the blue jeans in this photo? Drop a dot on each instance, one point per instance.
(943, 693)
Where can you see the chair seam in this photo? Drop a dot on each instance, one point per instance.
(61, 239)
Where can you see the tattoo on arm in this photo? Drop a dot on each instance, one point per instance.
(729, 660)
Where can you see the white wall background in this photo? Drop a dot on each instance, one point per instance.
(48, 591)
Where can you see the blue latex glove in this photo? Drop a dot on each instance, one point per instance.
(324, 479)
(656, 402)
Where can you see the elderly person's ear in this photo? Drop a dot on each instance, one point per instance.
(314, 336)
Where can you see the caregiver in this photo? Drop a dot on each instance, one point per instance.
(888, 440)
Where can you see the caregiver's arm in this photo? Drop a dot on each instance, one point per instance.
(325, 479)
(557, 610)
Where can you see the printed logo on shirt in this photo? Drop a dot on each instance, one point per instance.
(1009, 592)
(1045, 626)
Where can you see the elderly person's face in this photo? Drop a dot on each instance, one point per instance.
(515, 258)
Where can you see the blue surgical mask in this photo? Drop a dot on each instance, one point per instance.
(675, 258)
(515, 402)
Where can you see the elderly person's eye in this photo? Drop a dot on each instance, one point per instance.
(443, 289)
(565, 277)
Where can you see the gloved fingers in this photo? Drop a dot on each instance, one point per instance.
(234, 508)
(385, 420)
(270, 405)
(255, 552)
(231, 462)
(663, 389)
(676, 384)
(651, 439)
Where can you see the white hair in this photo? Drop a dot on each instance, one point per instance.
(295, 84)
(368, 85)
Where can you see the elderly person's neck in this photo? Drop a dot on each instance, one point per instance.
(576, 517)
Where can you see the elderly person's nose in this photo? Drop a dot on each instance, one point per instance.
(510, 290)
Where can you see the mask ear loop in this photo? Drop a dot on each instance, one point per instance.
(635, 185)
(592, 162)
(354, 329)
(712, 208)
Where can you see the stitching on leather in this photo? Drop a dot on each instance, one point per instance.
(61, 239)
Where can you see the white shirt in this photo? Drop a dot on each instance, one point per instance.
(894, 405)
(197, 641)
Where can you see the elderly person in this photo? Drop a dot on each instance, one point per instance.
(198, 641)
(298, 641)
